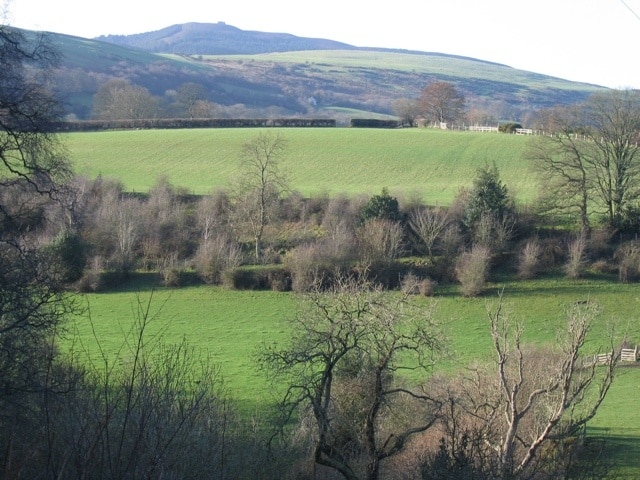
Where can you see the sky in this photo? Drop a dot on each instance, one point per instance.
(592, 41)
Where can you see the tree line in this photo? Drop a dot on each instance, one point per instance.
(347, 411)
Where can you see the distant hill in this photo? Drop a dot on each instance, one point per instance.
(219, 39)
(257, 74)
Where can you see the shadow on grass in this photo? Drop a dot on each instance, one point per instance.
(621, 450)
(145, 282)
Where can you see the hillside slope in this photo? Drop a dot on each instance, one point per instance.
(324, 80)
(218, 38)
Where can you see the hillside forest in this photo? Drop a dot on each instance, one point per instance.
(360, 266)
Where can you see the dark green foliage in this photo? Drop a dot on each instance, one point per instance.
(374, 123)
(488, 197)
(69, 252)
(382, 206)
(95, 125)
(630, 219)
(257, 278)
(508, 127)
(454, 463)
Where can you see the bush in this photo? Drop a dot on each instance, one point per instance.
(257, 278)
(472, 269)
(509, 127)
(382, 206)
(216, 255)
(628, 257)
(310, 264)
(412, 284)
(576, 259)
(530, 259)
(69, 254)
(427, 287)
(380, 240)
(387, 274)
(374, 123)
(322, 259)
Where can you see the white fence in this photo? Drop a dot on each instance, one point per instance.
(626, 355)
(480, 128)
(629, 354)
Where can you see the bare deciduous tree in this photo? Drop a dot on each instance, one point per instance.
(562, 162)
(441, 102)
(260, 184)
(591, 158)
(339, 367)
(614, 129)
(518, 414)
(118, 99)
(33, 166)
(429, 224)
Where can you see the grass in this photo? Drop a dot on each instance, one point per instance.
(341, 61)
(431, 163)
(230, 325)
(226, 325)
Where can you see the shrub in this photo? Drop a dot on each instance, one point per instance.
(309, 262)
(530, 259)
(410, 284)
(628, 257)
(427, 287)
(387, 274)
(257, 278)
(472, 269)
(90, 282)
(509, 127)
(382, 206)
(307, 265)
(215, 256)
(69, 253)
(380, 240)
(374, 123)
(576, 259)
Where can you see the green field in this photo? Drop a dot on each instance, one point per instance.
(231, 325)
(430, 163)
(336, 61)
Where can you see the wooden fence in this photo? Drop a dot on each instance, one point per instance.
(629, 354)
(626, 355)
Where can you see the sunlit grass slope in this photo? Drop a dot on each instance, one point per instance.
(431, 163)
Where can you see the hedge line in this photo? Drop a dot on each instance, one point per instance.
(374, 123)
(168, 123)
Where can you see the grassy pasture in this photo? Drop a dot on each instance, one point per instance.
(338, 61)
(430, 163)
(231, 325)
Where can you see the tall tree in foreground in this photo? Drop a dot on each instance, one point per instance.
(340, 366)
(260, 185)
(32, 163)
(522, 417)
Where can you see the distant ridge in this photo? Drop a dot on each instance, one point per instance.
(195, 38)
(219, 39)
(298, 77)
